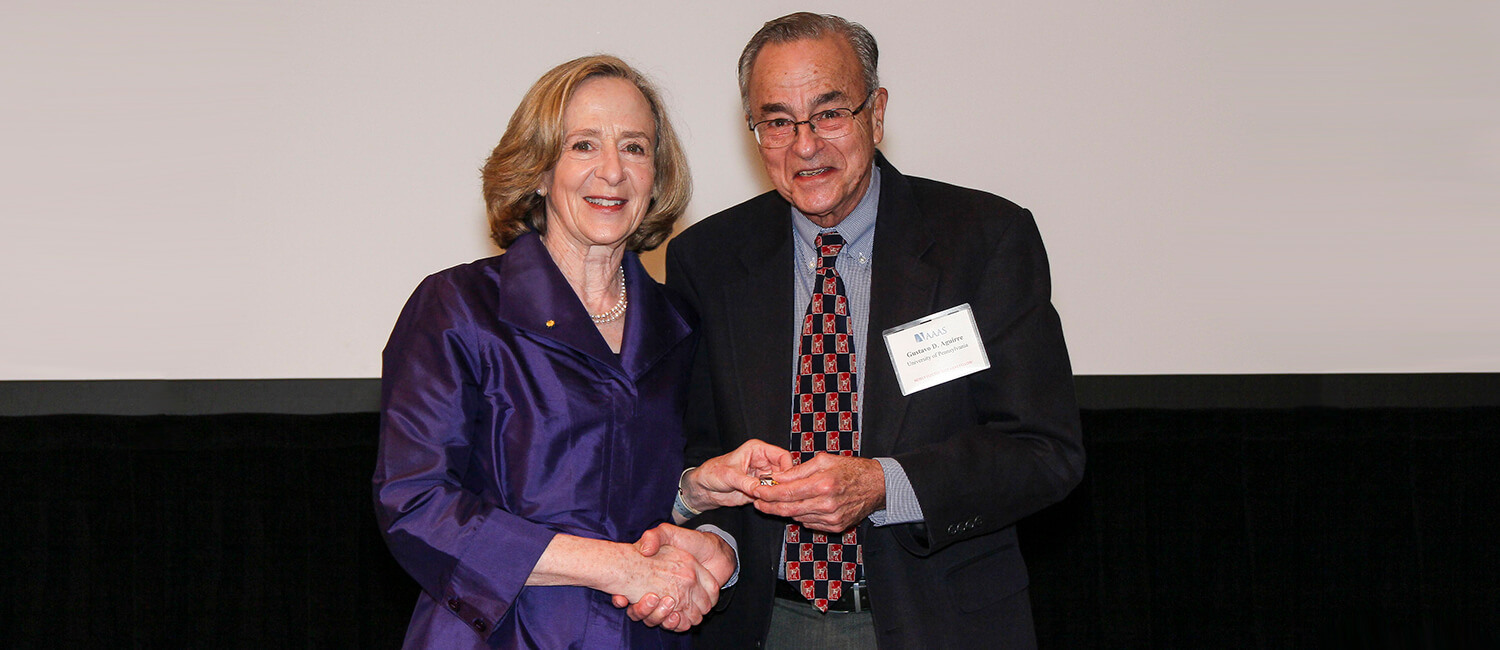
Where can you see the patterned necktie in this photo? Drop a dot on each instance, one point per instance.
(825, 417)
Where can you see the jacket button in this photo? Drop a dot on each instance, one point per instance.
(479, 624)
(953, 530)
(454, 604)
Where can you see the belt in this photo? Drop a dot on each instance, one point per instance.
(856, 596)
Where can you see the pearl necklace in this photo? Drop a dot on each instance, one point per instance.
(616, 311)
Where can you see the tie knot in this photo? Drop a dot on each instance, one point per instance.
(828, 244)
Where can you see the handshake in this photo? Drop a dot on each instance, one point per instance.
(675, 581)
(675, 577)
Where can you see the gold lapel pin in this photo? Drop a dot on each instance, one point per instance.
(550, 323)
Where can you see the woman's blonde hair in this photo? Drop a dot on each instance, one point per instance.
(533, 143)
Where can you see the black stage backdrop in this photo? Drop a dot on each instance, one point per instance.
(1275, 526)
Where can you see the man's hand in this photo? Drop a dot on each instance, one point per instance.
(729, 480)
(830, 492)
(707, 548)
(710, 549)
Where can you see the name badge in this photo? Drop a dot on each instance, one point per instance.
(936, 349)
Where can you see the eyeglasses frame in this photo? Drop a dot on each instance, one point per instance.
(853, 112)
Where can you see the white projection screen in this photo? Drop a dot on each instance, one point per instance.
(246, 190)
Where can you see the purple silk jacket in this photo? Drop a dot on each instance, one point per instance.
(505, 419)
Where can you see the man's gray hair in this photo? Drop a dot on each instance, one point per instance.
(802, 26)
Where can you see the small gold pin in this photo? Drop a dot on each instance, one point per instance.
(550, 323)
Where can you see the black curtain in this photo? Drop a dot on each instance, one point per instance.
(226, 531)
(1294, 528)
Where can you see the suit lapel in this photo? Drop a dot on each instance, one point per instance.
(902, 288)
(758, 304)
(759, 309)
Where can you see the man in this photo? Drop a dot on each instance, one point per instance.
(897, 528)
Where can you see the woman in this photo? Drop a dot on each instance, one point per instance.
(532, 402)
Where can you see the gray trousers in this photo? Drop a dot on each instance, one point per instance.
(796, 626)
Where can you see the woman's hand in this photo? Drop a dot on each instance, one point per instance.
(729, 480)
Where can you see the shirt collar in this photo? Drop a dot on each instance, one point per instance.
(857, 229)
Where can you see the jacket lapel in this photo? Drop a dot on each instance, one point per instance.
(535, 297)
(902, 288)
(759, 307)
(758, 304)
(653, 326)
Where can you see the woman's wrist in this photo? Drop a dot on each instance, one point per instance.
(581, 561)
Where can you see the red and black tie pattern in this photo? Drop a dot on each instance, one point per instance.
(825, 417)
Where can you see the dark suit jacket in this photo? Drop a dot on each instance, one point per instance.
(981, 452)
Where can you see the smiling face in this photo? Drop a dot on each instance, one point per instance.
(600, 188)
(825, 179)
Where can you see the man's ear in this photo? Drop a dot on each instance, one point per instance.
(877, 115)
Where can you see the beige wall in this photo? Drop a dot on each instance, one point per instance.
(251, 189)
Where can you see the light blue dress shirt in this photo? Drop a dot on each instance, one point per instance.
(854, 265)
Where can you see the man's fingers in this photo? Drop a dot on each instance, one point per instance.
(650, 542)
(686, 539)
(817, 514)
(788, 509)
(833, 526)
(661, 535)
(801, 471)
(642, 608)
(660, 614)
(692, 611)
(792, 488)
(819, 465)
(710, 588)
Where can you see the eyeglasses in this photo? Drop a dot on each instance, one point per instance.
(828, 124)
